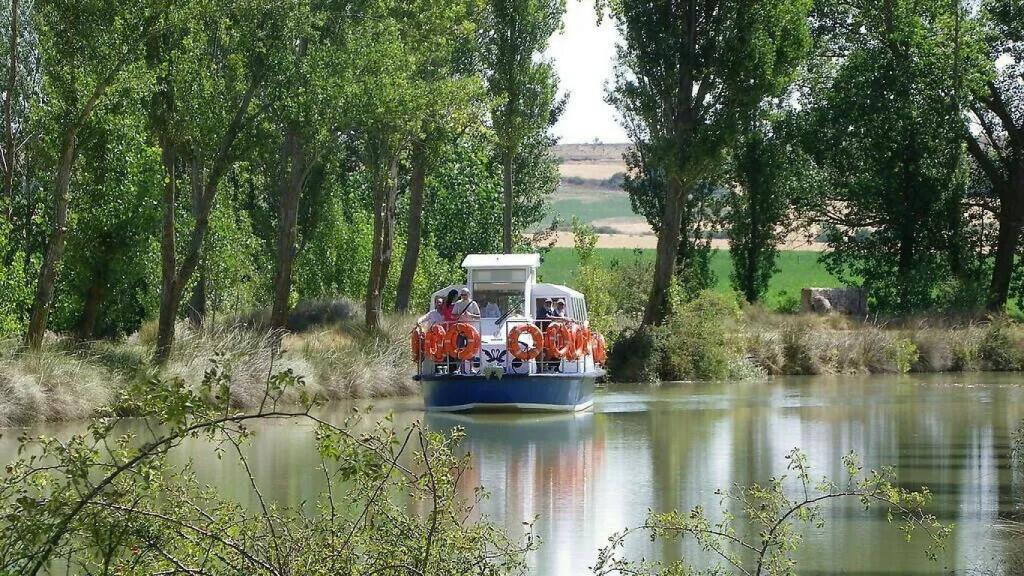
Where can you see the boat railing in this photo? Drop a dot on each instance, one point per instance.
(545, 362)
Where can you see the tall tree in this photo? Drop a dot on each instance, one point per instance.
(996, 140)
(688, 75)
(10, 161)
(521, 83)
(86, 48)
(767, 175)
(210, 62)
(302, 121)
(886, 133)
(448, 71)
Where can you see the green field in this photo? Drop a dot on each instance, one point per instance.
(797, 270)
(599, 207)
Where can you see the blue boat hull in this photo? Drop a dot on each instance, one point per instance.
(511, 393)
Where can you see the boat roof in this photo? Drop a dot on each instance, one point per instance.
(542, 290)
(502, 261)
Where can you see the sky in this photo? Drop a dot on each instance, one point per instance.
(583, 54)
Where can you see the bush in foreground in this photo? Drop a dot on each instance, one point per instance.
(107, 503)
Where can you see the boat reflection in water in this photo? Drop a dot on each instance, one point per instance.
(535, 465)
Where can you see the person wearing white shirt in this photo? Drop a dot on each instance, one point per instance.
(466, 309)
(491, 309)
(434, 316)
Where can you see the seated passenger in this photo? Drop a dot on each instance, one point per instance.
(490, 309)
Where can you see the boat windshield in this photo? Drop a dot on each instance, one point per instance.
(495, 299)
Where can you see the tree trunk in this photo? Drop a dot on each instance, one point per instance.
(412, 247)
(94, 297)
(287, 215)
(1011, 222)
(169, 292)
(384, 197)
(665, 256)
(506, 228)
(12, 80)
(55, 244)
(196, 309)
(174, 279)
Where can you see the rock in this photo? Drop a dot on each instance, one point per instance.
(820, 304)
(850, 300)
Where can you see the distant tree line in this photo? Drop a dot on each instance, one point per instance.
(893, 129)
(173, 158)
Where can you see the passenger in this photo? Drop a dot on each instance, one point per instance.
(449, 304)
(466, 309)
(435, 316)
(491, 309)
(543, 314)
(560, 309)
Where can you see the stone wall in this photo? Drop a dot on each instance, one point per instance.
(850, 300)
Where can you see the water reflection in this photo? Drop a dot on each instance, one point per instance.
(588, 475)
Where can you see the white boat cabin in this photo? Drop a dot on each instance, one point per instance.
(505, 288)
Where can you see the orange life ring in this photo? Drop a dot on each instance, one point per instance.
(472, 336)
(600, 355)
(516, 350)
(558, 341)
(416, 341)
(433, 343)
(582, 342)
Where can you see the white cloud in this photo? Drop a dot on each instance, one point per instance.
(583, 53)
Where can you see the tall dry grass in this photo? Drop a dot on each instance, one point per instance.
(337, 358)
(832, 344)
(51, 384)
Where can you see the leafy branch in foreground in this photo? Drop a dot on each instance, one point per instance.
(108, 501)
(774, 516)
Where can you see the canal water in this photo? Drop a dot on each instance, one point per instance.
(586, 476)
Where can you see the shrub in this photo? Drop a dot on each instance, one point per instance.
(797, 357)
(49, 385)
(634, 357)
(934, 350)
(787, 303)
(764, 349)
(700, 341)
(997, 350)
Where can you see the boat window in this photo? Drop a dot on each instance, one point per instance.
(499, 275)
(495, 299)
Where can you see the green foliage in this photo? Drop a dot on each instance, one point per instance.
(776, 511)
(699, 340)
(786, 303)
(767, 177)
(684, 92)
(108, 499)
(595, 282)
(522, 84)
(893, 219)
(14, 285)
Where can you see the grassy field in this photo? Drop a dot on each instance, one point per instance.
(797, 270)
(598, 207)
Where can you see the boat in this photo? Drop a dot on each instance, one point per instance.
(512, 358)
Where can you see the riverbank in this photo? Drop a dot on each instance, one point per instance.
(714, 338)
(711, 338)
(69, 379)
